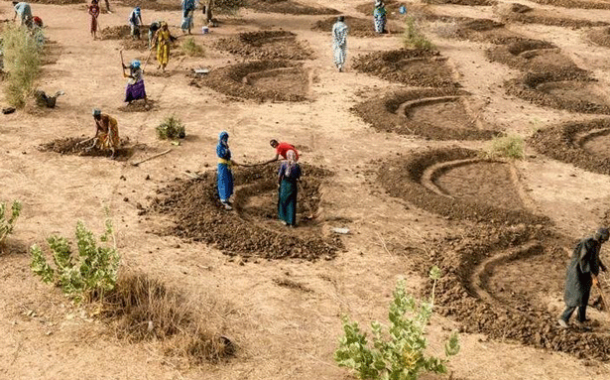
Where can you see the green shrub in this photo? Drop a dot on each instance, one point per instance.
(171, 128)
(91, 270)
(413, 38)
(510, 146)
(8, 223)
(190, 48)
(21, 62)
(400, 353)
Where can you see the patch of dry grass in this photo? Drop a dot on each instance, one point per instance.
(142, 308)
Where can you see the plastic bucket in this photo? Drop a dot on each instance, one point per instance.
(205, 30)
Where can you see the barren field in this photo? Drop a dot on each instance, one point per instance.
(393, 150)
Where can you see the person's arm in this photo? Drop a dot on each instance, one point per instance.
(15, 17)
(276, 158)
(141, 22)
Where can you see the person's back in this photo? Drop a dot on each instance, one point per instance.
(283, 148)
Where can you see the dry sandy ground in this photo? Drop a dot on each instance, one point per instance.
(282, 333)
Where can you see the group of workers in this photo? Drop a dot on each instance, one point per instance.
(289, 174)
(585, 265)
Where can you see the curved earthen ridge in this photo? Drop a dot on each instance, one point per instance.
(570, 90)
(394, 113)
(468, 293)
(260, 81)
(565, 143)
(414, 67)
(409, 178)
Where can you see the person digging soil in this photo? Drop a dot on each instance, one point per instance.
(225, 176)
(106, 133)
(581, 275)
(281, 150)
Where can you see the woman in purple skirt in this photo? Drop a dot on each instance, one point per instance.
(135, 86)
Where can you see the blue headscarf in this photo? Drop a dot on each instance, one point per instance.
(135, 64)
(222, 149)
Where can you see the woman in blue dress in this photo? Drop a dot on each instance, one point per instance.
(288, 177)
(225, 176)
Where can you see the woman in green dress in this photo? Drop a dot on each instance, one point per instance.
(288, 177)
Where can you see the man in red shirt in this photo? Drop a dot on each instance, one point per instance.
(281, 148)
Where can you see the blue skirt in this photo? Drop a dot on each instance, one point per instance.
(225, 182)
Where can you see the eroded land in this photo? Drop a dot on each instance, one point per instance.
(391, 150)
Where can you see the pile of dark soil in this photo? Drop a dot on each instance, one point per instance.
(482, 289)
(425, 68)
(260, 81)
(485, 30)
(437, 114)
(534, 56)
(155, 5)
(520, 8)
(584, 4)
(404, 178)
(199, 216)
(571, 91)
(539, 16)
(265, 45)
(600, 36)
(289, 7)
(123, 32)
(463, 2)
(570, 143)
(70, 146)
(358, 27)
(138, 106)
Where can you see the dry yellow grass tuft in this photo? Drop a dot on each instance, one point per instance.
(142, 308)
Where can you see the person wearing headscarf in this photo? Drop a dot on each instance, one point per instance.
(24, 11)
(581, 275)
(135, 85)
(339, 33)
(163, 39)
(135, 21)
(288, 177)
(106, 132)
(224, 173)
(379, 16)
(188, 9)
(94, 12)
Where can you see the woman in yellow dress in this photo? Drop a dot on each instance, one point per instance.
(163, 40)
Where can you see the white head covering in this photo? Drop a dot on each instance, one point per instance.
(291, 158)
